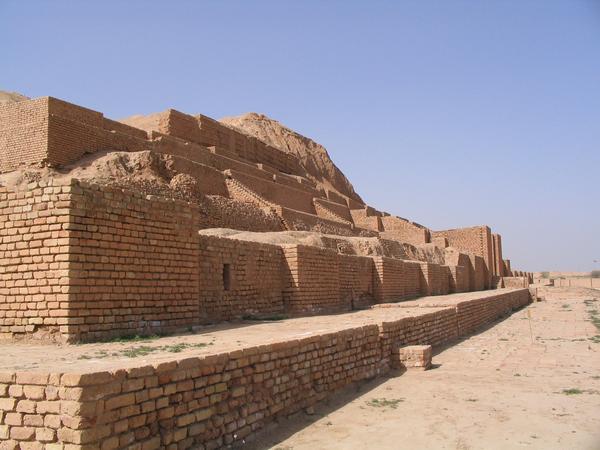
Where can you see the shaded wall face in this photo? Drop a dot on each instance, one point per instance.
(474, 240)
(312, 280)
(396, 279)
(498, 265)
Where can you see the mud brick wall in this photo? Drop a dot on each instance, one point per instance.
(206, 131)
(341, 211)
(34, 258)
(299, 221)
(333, 196)
(222, 399)
(74, 131)
(363, 219)
(434, 279)
(412, 279)
(405, 231)
(593, 283)
(285, 196)
(23, 134)
(221, 212)
(472, 314)
(312, 280)
(39, 409)
(507, 269)
(477, 280)
(395, 279)
(388, 279)
(50, 131)
(473, 240)
(459, 279)
(356, 280)
(523, 282)
(239, 278)
(133, 263)
(427, 329)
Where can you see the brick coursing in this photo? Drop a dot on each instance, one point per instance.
(219, 399)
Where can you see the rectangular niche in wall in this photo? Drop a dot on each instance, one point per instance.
(226, 277)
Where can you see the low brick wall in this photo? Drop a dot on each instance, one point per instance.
(592, 283)
(38, 409)
(213, 401)
(472, 314)
(429, 328)
(223, 398)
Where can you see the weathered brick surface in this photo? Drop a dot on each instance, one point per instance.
(415, 356)
(435, 279)
(404, 230)
(34, 258)
(23, 133)
(459, 279)
(396, 279)
(356, 280)
(239, 278)
(220, 399)
(134, 263)
(476, 241)
(312, 280)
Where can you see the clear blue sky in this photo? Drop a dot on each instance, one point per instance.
(450, 113)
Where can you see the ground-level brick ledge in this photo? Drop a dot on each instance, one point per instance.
(217, 399)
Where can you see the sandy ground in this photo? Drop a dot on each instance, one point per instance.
(209, 340)
(509, 386)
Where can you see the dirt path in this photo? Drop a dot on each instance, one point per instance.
(507, 387)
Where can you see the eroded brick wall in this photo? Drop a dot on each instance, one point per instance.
(459, 279)
(404, 230)
(472, 314)
(220, 399)
(214, 400)
(312, 283)
(41, 409)
(396, 279)
(473, 240)
(23, 134)
(434, 279)
(356, 280)
(432, 329)
(239, 278)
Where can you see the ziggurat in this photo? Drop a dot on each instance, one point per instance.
(169, 223)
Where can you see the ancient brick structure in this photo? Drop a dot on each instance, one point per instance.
(227, 396)
(85, 259)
